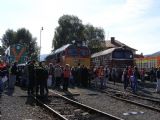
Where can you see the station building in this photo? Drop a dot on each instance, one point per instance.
(117, 54)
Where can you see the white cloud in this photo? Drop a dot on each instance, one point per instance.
(129, 25)
(118, 14)
(137, 7)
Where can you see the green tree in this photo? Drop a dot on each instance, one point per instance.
(70, 28)
(1, 50)
(21, 36)
(8, 38)
(95, 37)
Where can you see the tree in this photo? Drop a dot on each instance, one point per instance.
(8, 38)
(95, 37)
(24, 36)
(70, 28)
(1, 51)
(21, 36)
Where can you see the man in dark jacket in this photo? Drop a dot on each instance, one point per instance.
(13, 74)
(84, 76)
(41, 79)
(31, 75)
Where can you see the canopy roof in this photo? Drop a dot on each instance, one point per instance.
(61, 49)
(103, 52)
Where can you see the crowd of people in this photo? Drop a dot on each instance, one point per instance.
(37, 77)
(128, 76)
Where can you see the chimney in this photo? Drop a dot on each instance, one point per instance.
(112, 39)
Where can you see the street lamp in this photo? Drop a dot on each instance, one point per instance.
(40, 43)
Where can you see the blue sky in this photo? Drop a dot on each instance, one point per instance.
(133, 22)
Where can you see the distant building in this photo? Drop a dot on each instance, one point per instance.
(139, 55)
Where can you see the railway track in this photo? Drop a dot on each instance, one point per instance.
(153, 104)
(67, 109)
(142, 96)
(137, 94)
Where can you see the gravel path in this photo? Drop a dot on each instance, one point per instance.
(107, 104)
(20, 107)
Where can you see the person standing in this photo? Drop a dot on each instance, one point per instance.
(125, 78)
(46, 75)
(106, 77)
(25, 76)
(129, 74)
(84, 76)
(66, 76)
(90, 76)
(2, 74)
(158, 80)
(79, 75)
(58, 75)
(31, 75)
(41, 79)
(142, 75)
(51, 74)
(152, 74)
(73, 76)
(101, 74)
(113, 75)
(134, 80)
(13, 74)
(96, 77)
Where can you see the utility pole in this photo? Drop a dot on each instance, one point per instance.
(40, 43)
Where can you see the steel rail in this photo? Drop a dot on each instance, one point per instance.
(49, 109)
(145, 96)
(129, 101)
(88, 107)
(138, 96)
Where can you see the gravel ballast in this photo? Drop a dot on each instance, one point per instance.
(20, 107)
(112, 106)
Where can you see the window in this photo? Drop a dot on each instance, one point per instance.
(122, 54)
(128, 55)
(84, 52)
(118, 54)
(72, 52)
